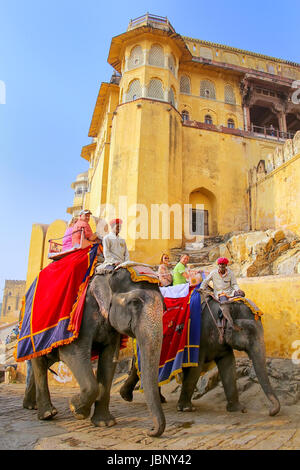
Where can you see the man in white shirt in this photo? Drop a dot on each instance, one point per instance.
(115, 250)
(224, 282)
(225, 287)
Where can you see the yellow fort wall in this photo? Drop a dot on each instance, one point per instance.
(279, 299)
(36, 252)
(275, 198)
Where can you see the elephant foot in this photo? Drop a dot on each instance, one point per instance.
(236, 407)
(79, 410)
(46, 414)
(126, 393)
(104, 419)
(29, 404)
(188, 407)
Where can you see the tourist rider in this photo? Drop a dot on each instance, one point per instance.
(115, 250)
(164, 271)
(180, 275)
(83, 224)
(67, 238)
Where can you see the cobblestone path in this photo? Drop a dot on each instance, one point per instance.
(210, 427)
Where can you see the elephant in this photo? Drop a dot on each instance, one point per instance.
(245, 334)
(114, 305)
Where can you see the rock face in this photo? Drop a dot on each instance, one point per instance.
(283, 374)
(260, 253)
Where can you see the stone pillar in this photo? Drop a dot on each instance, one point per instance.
(283, 121)
(246, 117)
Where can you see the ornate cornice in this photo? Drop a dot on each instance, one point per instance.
(240, 51)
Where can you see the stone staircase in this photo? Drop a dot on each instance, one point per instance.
(199, 256)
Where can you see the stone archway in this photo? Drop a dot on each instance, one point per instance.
(202, 217)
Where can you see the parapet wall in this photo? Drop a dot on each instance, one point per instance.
(274, 189)
(279, 299)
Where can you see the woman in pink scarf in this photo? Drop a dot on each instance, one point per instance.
(67, 238)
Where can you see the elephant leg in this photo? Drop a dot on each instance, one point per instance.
(79, 362)
(105, 373)
(190, 378)
(227, 370)
(29, 400)
(126, 391)
(40, 370)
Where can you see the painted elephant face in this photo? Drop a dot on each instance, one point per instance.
(132, 311)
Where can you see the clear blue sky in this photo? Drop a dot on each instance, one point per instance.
(53, 57)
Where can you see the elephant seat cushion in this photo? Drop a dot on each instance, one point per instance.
(140, 272)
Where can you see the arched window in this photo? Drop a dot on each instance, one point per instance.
(134, 91)
(156, 56)
(208, 119)
(229, 95)
(135, 58)
(155, 89)
(185, 115)
(207, 90)
(230, 123)
(171, 97)
(172, 63)
(185, 84)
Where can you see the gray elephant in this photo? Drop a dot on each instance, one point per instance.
(114, 305)
(245, 334)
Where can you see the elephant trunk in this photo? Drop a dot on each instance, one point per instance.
(149, 372)
(149, 338)
(258, 356)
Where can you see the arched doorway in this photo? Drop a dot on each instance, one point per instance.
(202, 216)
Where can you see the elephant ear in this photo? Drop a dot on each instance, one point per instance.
(101, 291)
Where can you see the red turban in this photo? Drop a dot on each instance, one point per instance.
(115, 222)
(222, 261)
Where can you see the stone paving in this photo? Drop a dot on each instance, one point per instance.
(209, 427)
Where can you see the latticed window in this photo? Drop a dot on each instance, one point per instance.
(229, 95)
(261, 67)
(207, 90)
(185, 116)
(134, 91)
(171, 63)
(155, 89)
(135, 58)
(171, 97)
(156, 56)
(230, 123)
(185, 84)
(271, 69)
(208, 119)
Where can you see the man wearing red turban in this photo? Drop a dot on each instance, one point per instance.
(224, 281)
(114, 247)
